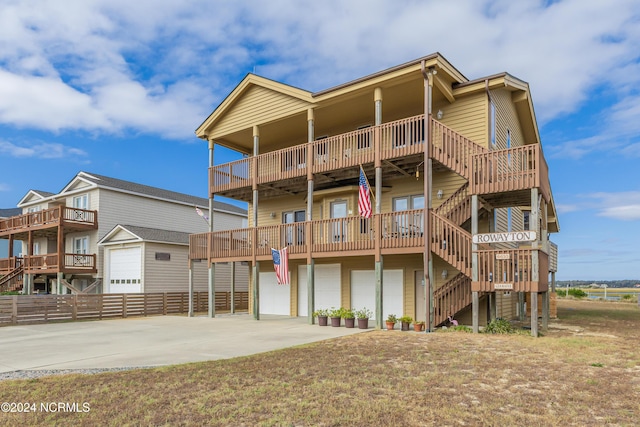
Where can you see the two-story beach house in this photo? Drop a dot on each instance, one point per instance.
(461, 200)
(105, 235)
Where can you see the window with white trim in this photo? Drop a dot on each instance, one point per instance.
(81, 202)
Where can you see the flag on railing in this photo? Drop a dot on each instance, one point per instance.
(364, 198)
(202, 214)
(281, 265)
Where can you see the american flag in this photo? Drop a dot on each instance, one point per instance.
(281, 265)
(364, 199)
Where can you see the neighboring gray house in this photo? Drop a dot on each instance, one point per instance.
(4, 246)
(102, 234)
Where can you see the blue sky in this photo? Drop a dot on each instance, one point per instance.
(118, 87)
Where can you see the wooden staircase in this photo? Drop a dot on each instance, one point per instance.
(450, 241)
(13, 280)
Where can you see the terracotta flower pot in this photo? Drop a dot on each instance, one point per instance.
(418, 327)
(349, 323)
(390, 326)
(322, 320)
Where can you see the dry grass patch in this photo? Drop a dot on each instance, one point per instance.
(570, 376)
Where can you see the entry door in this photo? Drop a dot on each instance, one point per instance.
(421, 297)
(339, 228)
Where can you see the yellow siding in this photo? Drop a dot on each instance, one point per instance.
(506, 119)
(468, 116)
(259, 105)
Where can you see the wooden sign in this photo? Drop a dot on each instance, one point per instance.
(503, 286)
(503, 256)
(514, 236)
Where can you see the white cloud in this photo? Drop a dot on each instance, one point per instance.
(43, 150)
(110, 65)
(4, 187)
(621, 206)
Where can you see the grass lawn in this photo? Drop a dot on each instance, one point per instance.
(585, 370)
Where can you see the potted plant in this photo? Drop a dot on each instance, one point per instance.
(363, 316)
(336, 316)
(322, 314)
(418, 325)
(349, 316)
(404, 322)
(391, 321)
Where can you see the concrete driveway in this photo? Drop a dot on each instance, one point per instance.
(152, 341)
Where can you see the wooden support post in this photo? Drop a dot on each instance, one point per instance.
(311, 303)
(475, 310)
(212, 289)
(545, 311)
(534, 314)
(255, 284)
(190, 309)
(232, 303)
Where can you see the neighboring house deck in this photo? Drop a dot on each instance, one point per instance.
(59, 234)
(448, 160)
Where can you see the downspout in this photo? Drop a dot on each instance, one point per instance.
(428, 81)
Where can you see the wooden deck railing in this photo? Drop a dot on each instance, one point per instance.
(28, 309)
(511, 270)
(496, 171)
(402, 137)
(8, 264)
(228, 176)
(342, 151)
(399, 230)
(50, 263)
(49, 217)
(513, 169)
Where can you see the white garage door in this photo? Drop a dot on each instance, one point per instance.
(327, 286)
(274, 298)
(125, 270)
(363, 291)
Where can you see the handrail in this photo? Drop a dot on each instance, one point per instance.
(451, 297)
(452, 149)
(457, 208)
(452, 243)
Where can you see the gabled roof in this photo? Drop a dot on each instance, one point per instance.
(35, 196)
(251, 81)
(145, 234)
(100, 181)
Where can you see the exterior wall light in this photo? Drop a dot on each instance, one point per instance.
(440, 114)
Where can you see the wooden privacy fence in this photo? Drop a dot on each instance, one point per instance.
(25, 309)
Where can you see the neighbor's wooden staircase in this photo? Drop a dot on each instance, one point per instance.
(12, 281)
